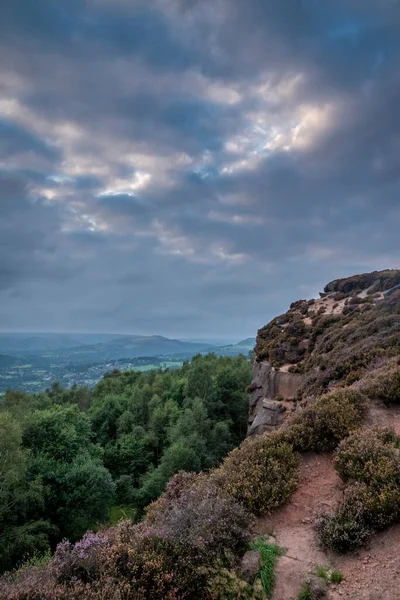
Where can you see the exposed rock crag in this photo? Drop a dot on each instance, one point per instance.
(321, 343)
(272, 396)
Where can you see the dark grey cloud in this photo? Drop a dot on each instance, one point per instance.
(189, 167)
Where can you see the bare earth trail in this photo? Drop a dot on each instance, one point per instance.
(369, 574)
(292, 525)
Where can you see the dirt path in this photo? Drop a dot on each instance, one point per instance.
(372, 573)
(292, 525)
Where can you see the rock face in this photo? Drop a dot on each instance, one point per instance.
(271, 397)
(300, 340)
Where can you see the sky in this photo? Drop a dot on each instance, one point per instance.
(189, 168)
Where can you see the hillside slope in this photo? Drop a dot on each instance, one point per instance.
(348, 338)
(352, 331)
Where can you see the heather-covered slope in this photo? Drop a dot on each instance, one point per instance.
(349, 333)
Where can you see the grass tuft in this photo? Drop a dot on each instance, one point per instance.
(269, 554)
(323, 573)
(336, 577)
(305, 593)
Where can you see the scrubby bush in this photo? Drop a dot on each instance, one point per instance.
(340, 533)
(370, 456)
(200, 515)
(128, 561)
(226, 585)
(384, 383)
(369, 460)
(262, 473)
(325, 421)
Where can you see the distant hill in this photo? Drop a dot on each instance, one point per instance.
(41, 343)
(243, 347)
(135, 346)
(247, 343)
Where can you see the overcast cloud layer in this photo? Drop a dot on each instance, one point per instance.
(190, 168)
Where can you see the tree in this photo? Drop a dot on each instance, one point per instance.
(60, 432)
(85, 497)
(21, 530)
(128, 455)
(178, 457)
(104, 413)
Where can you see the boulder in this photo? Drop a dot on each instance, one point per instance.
(250, 565)
(318, 588)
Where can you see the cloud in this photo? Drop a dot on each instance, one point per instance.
(190, 167)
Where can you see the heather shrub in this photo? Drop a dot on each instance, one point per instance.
(385, 383)
(370, 456)
(153, 564)
(340, 533)
(368, 459)
(325, 421)
(82, 560)
(226, 585)
(361, 511)
(376, 508)
(262, 473)
(176, 486)
(203, 518)
(183, 560)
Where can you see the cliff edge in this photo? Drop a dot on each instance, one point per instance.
(320, 343)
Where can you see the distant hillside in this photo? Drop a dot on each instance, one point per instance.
(243, 347)
(40, 343)
(135, 346)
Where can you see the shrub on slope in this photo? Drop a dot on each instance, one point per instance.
(369, 461)
(384, 383)
(135, 562)
(262, 473)
(325, 421)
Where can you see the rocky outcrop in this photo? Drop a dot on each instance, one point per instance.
(294, 352)
(272, 393)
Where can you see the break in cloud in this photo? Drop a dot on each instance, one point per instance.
(190, 167)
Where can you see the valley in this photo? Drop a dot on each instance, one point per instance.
(33, 362)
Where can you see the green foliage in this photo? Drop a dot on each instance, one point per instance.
(306, 593)
(325, 421)
(269, 555)
(74, 459)
(323, 572)
(336, 577)
(262, 473)
(60, 432)
(22, 531)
